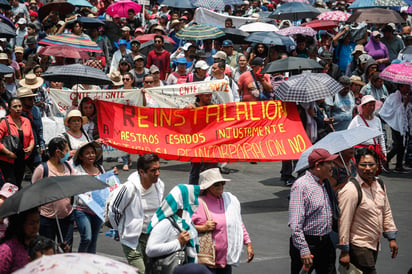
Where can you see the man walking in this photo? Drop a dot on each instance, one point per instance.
(310, 217)
(131, 210)
(364, 214)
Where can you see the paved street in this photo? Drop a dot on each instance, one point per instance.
(264, 202)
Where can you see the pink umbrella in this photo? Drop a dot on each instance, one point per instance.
(398, 73)
(335, 15)
(121, 7)
(293, 30)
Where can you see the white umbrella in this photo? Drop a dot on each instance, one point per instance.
(258, 27)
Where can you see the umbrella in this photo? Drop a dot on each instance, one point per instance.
(237, 36)
(361, 4)
(80, 3)
(308, 87)
(335, 15)
(77, 74)
(6, 31)
(270, 38)
(291, 64)
(216, 4)
(199, 32)
(179, 4)
(5, 5)
(258, 27)
(112, 31)
(71, 40)
(121, 7)
(64, 51)
(293, 30)
(398, 73)
(88, 22)
(149, 37)
(321, 24)
(7, 21)
(57, 5)
(48, 190)
(300, 1)
(338, 141)
(294, 11)
(375, 16)
(68, 263)
(5, 69)
(149, 45)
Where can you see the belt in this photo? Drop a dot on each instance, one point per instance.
(316, 238)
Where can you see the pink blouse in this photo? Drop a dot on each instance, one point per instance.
(14, 255)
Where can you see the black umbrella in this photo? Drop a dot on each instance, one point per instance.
(270, 38)
(48, 190)
(294, 11)
(5, 5)
(77, 74)
(5, 69)
(149, 45)
(237, 36)
(291, 64)
(112, 31)
(88, 22)
(6, 31)
(375, 16)
(61, 6)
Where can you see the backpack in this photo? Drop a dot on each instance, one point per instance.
(46, 168)
(358, 188)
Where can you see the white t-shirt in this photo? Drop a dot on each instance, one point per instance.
(150, 203)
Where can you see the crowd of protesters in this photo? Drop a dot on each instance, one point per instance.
(365, 100)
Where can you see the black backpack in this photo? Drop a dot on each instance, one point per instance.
(358, 188)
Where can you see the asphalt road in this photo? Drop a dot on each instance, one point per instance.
(264, 202)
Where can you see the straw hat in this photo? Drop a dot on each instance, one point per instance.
(209, 177)
(116, 78)
(74, 113)
(97, 147)
(354, 79)
(24, 92)
(31, 81)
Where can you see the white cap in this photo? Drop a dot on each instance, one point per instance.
(186, 46)
(202, 65)
(22, 21)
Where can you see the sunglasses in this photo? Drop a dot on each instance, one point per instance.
(148, 82)
(219, 183)
(126, 79)
(158, 41)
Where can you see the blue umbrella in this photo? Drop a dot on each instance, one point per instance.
(270, 38)
(5, 69)
(361, 4)
(80, 3)
(294, 11)
(179, 4)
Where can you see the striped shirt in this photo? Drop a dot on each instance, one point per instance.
(310, 211)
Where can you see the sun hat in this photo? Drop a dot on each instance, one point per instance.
(320, 155)
(202, 65)
(354, 79)
(209, 177)
(18, 49)
(31, 81)
(137, 57)
(116, 78)
(153, 69)
(3, 56)
(122, 42)
(182, 61)
(97, 147)
(221, 55)
(367, 99)
(8, 190)
(24, 92)
(74, 113)
(159, 27)
(360, 48)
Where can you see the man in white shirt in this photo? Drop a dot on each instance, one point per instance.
(134, 205)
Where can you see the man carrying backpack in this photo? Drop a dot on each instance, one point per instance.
(364, 214)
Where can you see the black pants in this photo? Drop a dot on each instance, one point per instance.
(398, 148)
(324, 255)
(363, 258)
(13, 173)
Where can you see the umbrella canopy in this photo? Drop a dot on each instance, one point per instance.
(291, 64)
(308, 87)
(68, 263)
(5, 70)
(216, 4)
(88, 22)
(200, 32)
(293, 30)
(77, 74)
(321, 24)
(7, 21)
(6, 31)
(149, 37)
(300, 1)
(361, 4)
(179, 4)
(335, 15)
(398, 73)
(64, 51)
(375, 16)
(347, 138)
(57, 5)
(121, 7)
(294, 11)
(5, 5)
(149, 45)
(48, 190)
(71, 40)
(270, 38)
(258, 27)
(237, 36)
(80, 3)
(113, 31)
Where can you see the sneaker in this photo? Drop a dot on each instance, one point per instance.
(224, 170)
(401, 170)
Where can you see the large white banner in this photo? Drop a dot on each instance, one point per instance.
(207, 17)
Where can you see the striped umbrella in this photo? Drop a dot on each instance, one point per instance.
(200, 32)
(335, 15)
(71, 40)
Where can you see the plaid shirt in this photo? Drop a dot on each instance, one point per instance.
(310, 211)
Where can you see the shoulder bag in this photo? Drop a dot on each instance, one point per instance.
(207, 252)
(11, 142)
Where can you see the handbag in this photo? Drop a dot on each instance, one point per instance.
(207, 252)
(166, 264)
(11, 142)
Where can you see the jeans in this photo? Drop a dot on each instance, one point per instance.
(138, 257)
(88, 226)
(48, 229)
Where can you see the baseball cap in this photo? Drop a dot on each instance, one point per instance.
(135, 41)
(376, 33)
(326, 55)
(257, 62)
(138, 30)
(319, 155)
(202, 65)
(221, 55)
(227, 43)
(22, 21)
(186, 46)
(125, 28)
(138, 57)
(153, 69)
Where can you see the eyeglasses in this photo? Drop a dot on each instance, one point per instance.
(126, 79)
(367, 164)
(135, 45)
(219, 183)
(148, 82)
(158, 41)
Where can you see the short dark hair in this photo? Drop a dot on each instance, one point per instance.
(221, 64)
(146, 160)
(147, 75)
(363, 151)
(229, 20)
(131, 10)
(40, 244)
(57, 143)
(160, 37)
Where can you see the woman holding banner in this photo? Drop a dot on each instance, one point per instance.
(88, 223)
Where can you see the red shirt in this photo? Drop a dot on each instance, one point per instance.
(244, 82)
(161, 60)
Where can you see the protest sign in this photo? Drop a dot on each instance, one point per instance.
(208, 17)
(245, 131)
